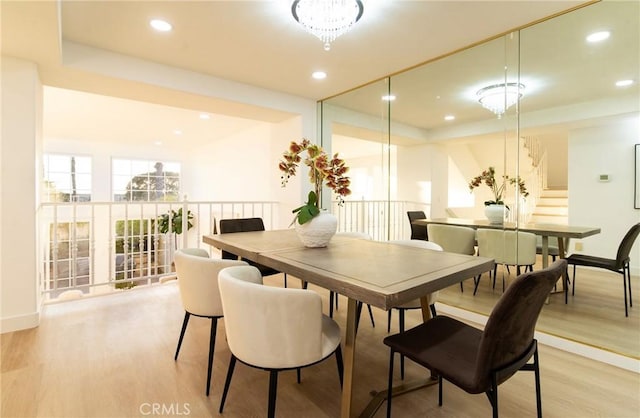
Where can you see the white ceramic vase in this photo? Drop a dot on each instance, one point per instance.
(495, 214)
(318, 231)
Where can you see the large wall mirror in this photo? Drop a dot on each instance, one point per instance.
(415, 139)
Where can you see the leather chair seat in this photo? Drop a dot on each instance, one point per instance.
(593, 261)
(439, 342)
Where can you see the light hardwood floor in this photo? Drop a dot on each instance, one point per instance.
(112, 356)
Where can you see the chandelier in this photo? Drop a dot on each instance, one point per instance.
(499, 97)
(327, 19)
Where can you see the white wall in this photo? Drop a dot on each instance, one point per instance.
(604, 149)
(232, 168)
(21, 118)
(557, 156)
(295, 192)
(414, 173)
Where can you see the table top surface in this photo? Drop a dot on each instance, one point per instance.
(563, 231)
(382, 274)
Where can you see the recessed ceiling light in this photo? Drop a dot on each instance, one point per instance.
(319, 75)
(388, 98)
(449, 117)
(157, 143)
(624, 83)
(177, 132)
(205, 116)
(598, 36)
(161, 25)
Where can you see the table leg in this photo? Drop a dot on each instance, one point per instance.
(426, 310)
(563, 244)
(348, 353)
(545, 251)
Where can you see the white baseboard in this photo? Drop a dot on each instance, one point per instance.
(573, 347)
(20, 322)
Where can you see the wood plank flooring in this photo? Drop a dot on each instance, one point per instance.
(112, 356)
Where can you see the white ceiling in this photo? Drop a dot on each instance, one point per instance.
(555, 64)
(252, 42)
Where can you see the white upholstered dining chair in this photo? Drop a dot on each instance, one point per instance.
(453, 239)
(273, 328)
(509, 248)
(198, 284)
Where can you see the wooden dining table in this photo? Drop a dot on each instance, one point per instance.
(381, 274)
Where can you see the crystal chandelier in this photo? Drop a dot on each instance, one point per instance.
(499, 97)
(327, 19)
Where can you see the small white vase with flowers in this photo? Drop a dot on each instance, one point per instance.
(495, 210)
(315, 227)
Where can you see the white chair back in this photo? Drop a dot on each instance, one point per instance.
(270, 327)
(507, 247)
(519, 248)
(453, 239)
(418, 243)
(198, 282)
(198, 252)
(491, 244)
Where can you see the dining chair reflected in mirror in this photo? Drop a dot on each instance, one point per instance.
(620, 264)
(417, 231)
(509, 248)
(274, 328)
(475, 360)
(198, 285)
(416, 303)
(228, 226)
(453, 239)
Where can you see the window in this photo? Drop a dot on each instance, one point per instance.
(69, 257)
(67, 178)
(145, 180)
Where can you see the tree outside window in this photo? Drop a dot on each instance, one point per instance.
(67, 178)
(148, 181)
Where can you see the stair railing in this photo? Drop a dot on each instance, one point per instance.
(536, 178)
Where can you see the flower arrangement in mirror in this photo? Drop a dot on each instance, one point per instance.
(488, 177)
(322, 170)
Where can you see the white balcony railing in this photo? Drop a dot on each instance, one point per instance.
(101, 247)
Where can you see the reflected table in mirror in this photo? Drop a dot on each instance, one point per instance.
(563, 232)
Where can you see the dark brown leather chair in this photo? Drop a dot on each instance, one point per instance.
(228, 226)
(478, 361)
(620, 264)
(417, 231)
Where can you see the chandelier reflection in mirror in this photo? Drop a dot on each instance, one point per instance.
(327, 19)
(499, 97)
